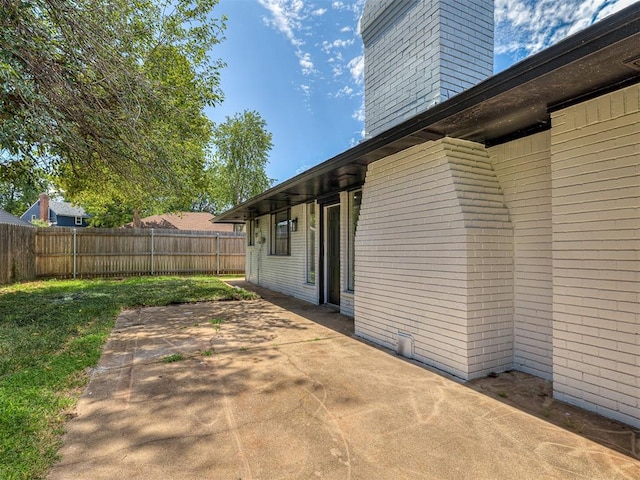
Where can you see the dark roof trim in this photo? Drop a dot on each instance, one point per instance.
(511, 104)
(525, 132)
(627, 82)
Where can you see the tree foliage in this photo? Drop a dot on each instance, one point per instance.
(242, 144)
(109, 95)
(20, 185)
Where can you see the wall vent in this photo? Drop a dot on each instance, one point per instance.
(633, 62)
(405, 345)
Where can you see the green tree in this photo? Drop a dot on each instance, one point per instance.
(242, 144)
(20, 185)
(112, 91)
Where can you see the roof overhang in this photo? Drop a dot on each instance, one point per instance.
(511, 104)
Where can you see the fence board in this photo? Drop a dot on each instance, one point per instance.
(69, 252)
(17, 253)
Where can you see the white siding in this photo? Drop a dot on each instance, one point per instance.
(285, 274)
(415, 272)
(595, 168)
(523, 168)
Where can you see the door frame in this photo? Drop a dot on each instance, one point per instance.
(323, 205)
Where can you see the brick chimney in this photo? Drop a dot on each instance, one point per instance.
(418, 53)
(44, 207)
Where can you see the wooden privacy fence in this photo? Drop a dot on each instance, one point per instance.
(17, 253)
(96, 252)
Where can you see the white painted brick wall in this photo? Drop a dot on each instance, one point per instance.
(523, 168)
(410, 261)
(421, 52)
(415, 272)
(595, 168)
(489, 239)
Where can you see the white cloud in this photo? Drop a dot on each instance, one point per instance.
(306, 90)
(524, 27)
(359, 113)
(303, 168)
(352, 6)
(322, 41)
(356, 68)
(356, 140)
(615, 7)
(306, 63)
(345, 92)
(286, 17)
(339, 43)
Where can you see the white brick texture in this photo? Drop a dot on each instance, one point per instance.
(432, 263)
(523, 168)
(421, 52)
(595, 171)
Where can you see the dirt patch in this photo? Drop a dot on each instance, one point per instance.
(534, 395)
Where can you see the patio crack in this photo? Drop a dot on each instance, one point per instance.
(333, 422)
(235, 431)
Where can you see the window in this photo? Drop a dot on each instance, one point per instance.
(311, 242)
(33, 217)
(281, 233)
(78, 220)
(251, 233)
(355, 199)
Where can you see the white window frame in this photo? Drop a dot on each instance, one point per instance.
(276, 219)
(312, 223)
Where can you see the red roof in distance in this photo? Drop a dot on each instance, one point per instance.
(185, 221)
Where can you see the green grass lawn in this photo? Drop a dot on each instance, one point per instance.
(50, 332)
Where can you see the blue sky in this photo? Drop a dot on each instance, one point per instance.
(299, 64)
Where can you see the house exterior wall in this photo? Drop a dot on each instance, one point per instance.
(64, 221)
(57, 220)
(421, 52)
(523, 168)
(523, 255)
(433, 258)
(34, 210)
(286, 274)
(595, 172)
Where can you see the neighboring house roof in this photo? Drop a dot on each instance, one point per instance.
(511, 104)
(201, 221)
(6, 217)
(67, 210)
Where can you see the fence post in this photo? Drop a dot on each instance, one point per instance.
(152, 252)
(75, 252)
(217, 255)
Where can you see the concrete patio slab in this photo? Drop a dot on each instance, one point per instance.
(278, 389)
